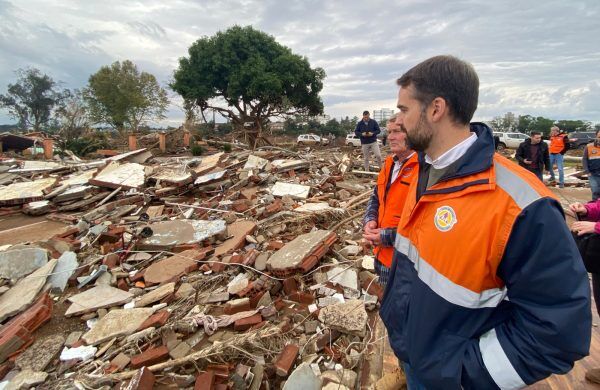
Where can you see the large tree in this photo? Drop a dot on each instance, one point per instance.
(72, 115)
(125, 98)
(32, 98)
(247, 76)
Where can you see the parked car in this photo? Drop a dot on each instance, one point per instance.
(579, 139)
(354, 141)
(311, 139)
(510, 140)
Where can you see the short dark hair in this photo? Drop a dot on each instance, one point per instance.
(534, 133)
(447, 77)
(365, 112)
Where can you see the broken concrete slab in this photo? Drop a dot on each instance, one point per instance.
(101, 296)
(343, 276)
(351, 250)
(349, 317)
(19, 193)
(120, 322)
(172, 267)
(303, 378)
(238, 232)
(255, 162)
(66, 265)
(19, 297)
(155, 295)
(315, 208)
(125, 175)
(296, 191)
(26, 379)
(288, 165)
(20, 260)
(344, 377)
(41, 353)
(135, 156)
(296, 251)
(210, 178)
(167, 234)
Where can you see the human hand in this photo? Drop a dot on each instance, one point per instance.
(373, 236)
(526, 161)
(583, 227)
(578, 208)
(370, 226)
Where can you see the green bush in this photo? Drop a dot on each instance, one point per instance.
(197, 150)
(227, 148)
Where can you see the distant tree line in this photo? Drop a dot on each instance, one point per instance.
(527, 123)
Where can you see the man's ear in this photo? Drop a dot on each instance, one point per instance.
(437, 109)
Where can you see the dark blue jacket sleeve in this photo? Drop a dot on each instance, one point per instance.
(549, 325)
(357, 131)
(376, 127)
(372, 212)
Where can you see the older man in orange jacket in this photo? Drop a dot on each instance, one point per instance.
(387, 201)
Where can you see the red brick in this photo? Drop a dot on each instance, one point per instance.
(250, 257)
(290, 285)
(279, 304)
(205, 381)
(236, 259)
(285, 360)
(302, 297)
(111, 260)
(372, 287)
(150, 356)
(254, 300)
(137, 277)
(246, 323)
(155, 320)
(122, 284)
(274, 207)
(220, 370)
(274, 245)
(231, 309)
(143, 379)
(5, 368)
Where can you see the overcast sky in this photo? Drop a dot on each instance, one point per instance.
(533, 57)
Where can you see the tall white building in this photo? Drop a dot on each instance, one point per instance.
(382, 114)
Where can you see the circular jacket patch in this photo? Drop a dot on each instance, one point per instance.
(445, 218)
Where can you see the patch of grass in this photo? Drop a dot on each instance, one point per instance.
(197, 150)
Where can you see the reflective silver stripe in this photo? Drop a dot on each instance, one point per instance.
(517, 188)
(444, 287)
(495, 360)
(593, 156)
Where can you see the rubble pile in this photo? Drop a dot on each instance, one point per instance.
(240, 270)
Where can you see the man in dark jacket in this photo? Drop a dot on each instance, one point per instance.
(367, 130)
(472, 301)
(533, 155)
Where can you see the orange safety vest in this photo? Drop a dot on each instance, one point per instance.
(391, 202)
(450, 223)
(557, 143)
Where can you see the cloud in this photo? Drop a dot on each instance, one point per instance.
(538, 58)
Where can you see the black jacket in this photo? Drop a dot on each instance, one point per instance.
(524, 153)
(371, 127)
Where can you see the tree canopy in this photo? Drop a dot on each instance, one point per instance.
(247, 76)
(32, 98)
(125, 98)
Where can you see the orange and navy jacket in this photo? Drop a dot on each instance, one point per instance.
(487, 288)
(387, 201)
(559, 144)
(591, 159)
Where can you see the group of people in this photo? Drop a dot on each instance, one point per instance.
(484, 284)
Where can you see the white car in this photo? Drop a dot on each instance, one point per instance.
(354, 141)
(311, 139)
(510, 140)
